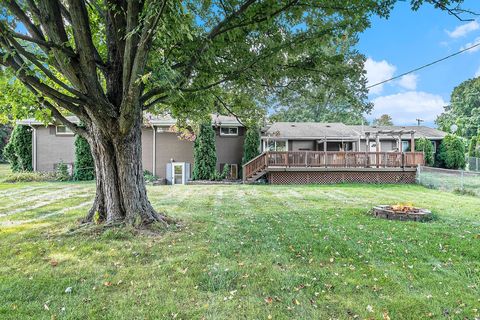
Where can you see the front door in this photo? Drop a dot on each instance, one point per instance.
(178, 173)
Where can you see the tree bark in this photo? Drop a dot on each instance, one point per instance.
(121, 195)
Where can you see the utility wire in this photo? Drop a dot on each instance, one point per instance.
(425, 66)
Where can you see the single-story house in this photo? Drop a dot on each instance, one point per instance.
(291, 152)
(164, 152)
(315, 136)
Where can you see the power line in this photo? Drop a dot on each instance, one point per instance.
(424, 66)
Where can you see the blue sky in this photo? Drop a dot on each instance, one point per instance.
(410, 39)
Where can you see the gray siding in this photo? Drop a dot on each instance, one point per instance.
(147, 149)
(53, 149)
(169, 146)
(229, 148)
(301, 145)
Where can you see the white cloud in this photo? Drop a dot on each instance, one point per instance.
(378, 71)
(407, 106)
(463, 30)
(476, 41)
(477, 73)
(408, 81)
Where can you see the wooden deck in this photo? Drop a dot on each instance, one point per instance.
(331, 161)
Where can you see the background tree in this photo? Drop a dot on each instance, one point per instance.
(464, 109)
(251, 145)
(18, 151)
(204, 153)
(383, 120)
(451, 154)
(107, 61)
(426, 147)
(84, 167)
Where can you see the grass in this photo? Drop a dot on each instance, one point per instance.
(245, 252)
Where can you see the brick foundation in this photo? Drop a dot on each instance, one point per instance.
(296, 177)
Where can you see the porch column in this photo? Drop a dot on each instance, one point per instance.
(377, 149)
(412, 141)
(400, 143)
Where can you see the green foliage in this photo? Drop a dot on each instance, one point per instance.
(451, 153)
(426, 146)
(204, 153)
(62, 174)
(383, 120)
(464, 109)
(225, 172)
(5, 132)
(84, 168)
(149, 177)
(310, 109)
(18, 151)
(251, 145)
(26, 176)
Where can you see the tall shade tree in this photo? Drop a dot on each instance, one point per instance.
(383, 120)
(464, 109)
(108, 61)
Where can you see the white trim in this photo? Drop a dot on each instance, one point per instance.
(265, 144)
(67, 132)
(229, 134)
(182, 164)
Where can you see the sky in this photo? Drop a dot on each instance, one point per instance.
(410, 39)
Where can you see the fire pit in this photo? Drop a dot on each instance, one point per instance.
(401, 212)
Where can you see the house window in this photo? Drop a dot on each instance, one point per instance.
(63, 130)
(276, 145)
(405, 146)
(434, 144)
(229, 131)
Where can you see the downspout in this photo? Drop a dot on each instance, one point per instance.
(154, 165)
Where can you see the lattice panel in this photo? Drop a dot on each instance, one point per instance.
(341, 177)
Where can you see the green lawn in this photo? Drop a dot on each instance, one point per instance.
(245, 252)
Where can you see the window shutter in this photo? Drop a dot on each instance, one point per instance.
(168, 173)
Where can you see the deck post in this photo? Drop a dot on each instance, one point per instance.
(325, 152)
(306, 155)
(367, 148)
(377, 150)
(412, 141)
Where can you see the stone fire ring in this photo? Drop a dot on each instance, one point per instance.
(386, 212)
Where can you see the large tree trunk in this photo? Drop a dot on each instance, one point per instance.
(121, 193)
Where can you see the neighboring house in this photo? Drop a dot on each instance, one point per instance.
(161, 145)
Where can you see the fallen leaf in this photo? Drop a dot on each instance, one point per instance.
(369, 308)
(385, 315)
(268, 300)
(295, 301)
(107, 284)
(53, 263)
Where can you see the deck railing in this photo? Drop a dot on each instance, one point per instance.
(333, 159)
